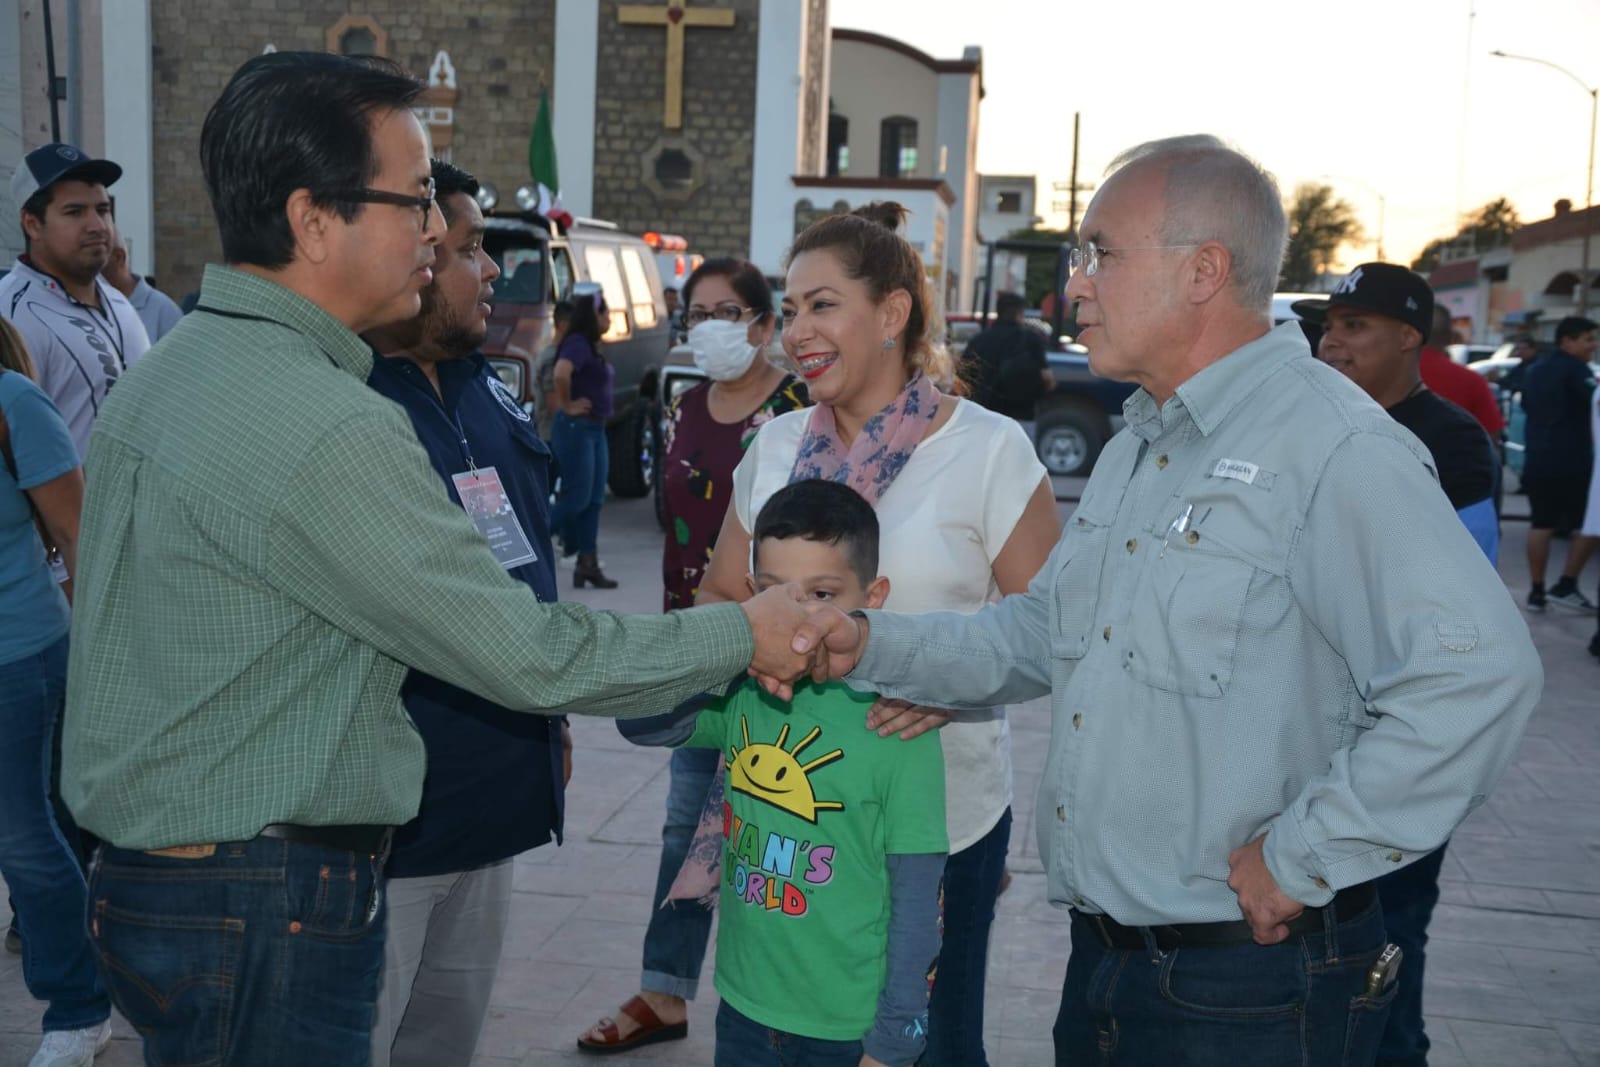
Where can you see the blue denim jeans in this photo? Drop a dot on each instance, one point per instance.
(264, 953)
(955, 1007)
(743, 1042)
(581, 450)
(1408, 897)
(675, 941)
(1302, 1002)
(36, 860)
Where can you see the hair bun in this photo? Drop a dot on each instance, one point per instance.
(886, 213)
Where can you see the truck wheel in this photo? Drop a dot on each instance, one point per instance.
(633, 452)
(1069, 442)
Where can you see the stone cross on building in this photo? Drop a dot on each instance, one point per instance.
(676, 17)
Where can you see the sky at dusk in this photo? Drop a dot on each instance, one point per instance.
(1392, 97)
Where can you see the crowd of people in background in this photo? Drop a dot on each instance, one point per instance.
(311, 708)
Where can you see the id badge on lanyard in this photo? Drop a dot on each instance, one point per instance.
(486, 503)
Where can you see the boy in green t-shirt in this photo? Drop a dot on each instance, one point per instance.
(833, 837)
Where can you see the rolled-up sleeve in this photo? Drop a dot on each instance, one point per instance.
(1438, 652)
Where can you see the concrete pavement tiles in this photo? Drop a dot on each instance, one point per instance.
(1514, 965)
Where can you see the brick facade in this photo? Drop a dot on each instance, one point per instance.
(717, 141)
(503, 52)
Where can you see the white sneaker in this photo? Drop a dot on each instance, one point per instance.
(72, 1048)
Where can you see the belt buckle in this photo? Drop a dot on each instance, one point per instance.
(184, 852)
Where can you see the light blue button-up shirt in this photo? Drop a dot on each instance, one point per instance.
(1264, 617)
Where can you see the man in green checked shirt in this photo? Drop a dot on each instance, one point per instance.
(265, 551)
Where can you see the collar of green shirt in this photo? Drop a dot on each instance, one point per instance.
(1209, 397)
(236, 292)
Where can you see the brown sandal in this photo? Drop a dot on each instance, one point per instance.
(651, 1030)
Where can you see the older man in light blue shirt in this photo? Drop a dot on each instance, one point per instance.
(1279, 666)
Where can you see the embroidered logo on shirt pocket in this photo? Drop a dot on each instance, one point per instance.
(1186, 619)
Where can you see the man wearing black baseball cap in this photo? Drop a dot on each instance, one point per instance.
(1374, 326)
(81, 331)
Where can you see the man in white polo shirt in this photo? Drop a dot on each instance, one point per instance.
(82, 332)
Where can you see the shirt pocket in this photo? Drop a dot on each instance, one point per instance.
(1077, 586)
(1186, 619)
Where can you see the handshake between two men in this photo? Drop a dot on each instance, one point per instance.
(796, 638)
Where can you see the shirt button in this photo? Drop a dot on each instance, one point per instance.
(1133, 543)
(1106, 633)
(1319, 883)
(1395, 857)
(1061, 813)
(1161, 461)
(1193, 536)
(1077, 720)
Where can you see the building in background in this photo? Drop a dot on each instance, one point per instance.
(729, 122)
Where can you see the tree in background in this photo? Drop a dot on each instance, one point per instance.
(1491, 226)
(1320, 224)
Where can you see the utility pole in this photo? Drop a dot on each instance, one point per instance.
(1072, 209)
(1584, 281)
(1072, 188)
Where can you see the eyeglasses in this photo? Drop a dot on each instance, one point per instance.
(380, 196)
(1087, 258)
(729, 312)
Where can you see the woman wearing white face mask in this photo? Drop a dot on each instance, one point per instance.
(728, 309)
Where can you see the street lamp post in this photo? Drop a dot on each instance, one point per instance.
(1382, 204)
(1588, 191)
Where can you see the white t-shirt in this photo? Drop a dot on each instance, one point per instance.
(941, 524)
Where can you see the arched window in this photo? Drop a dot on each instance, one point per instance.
(897, 147)
(838, 145)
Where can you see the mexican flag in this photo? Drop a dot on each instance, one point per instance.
(542, 164)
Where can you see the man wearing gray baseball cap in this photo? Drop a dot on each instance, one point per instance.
(81, 331)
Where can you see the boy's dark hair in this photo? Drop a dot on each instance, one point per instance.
(561, 313)
(448, 180)
(1574, 326)
(828, 512)
(287, 121)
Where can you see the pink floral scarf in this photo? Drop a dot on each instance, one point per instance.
(869, 466)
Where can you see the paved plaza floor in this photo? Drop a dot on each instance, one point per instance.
(1514, 965)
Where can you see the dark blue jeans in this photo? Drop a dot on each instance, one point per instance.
(1302, 1002)
(585, 460)
(263, 954)
(955, 1007)
(36, 860)
(743, 1042)
(1408, 896)
(675, 941)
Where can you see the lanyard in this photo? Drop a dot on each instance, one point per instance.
(119, 343)
(466, 449)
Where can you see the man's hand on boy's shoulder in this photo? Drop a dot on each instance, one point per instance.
(889, 716)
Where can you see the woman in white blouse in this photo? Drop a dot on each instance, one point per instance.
(967, 517)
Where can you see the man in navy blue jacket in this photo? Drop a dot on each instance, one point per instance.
(495, 778)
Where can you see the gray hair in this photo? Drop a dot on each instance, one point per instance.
(1214, 192)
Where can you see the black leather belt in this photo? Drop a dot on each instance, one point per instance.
(370, 840)
(1347, 904)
